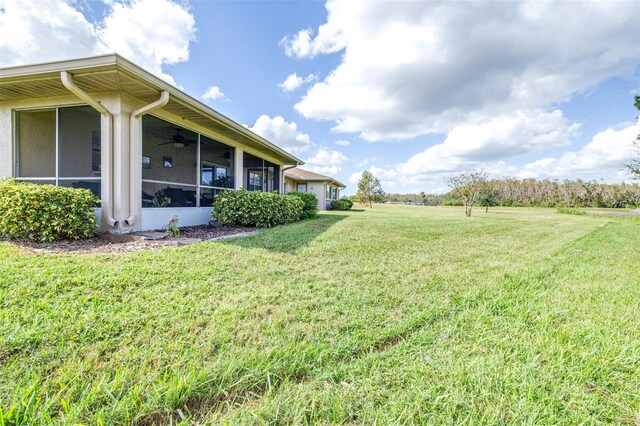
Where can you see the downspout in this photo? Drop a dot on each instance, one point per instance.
(67, 81)
(284, 169)
(135, 140)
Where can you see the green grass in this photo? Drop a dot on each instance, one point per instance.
(399, 314)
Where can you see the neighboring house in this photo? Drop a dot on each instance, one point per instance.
(325, 188)
(147, 149)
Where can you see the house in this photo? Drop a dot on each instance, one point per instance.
(147, 149)
(325, 188)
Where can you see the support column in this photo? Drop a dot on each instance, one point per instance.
(121, 172)
(6, 143)
(281, 179)
(238, 168)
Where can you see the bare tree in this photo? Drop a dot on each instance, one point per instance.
(468, 186)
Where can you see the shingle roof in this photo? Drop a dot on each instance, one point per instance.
(305, 175)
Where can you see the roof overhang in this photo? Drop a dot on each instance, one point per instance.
(322, 180)
(112, 72)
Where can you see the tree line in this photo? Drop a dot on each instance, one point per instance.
(474, 187)
(535, 193)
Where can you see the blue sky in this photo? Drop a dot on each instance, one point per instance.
(413, 91)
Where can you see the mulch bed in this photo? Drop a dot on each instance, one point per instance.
(206, 232)
(99, 244)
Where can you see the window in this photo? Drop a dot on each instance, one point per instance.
(59, 146)
(302, 187)
(207, 174)
(214, 175)
(268, 172)
(255, 180)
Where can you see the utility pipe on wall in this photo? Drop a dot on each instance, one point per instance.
(282, 170)
(106, 128)
(135, 154)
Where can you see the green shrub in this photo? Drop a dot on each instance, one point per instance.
(346, 203)
(566, 210)
(45, 212)
(255, 208)
(342, 204)
(310, 208)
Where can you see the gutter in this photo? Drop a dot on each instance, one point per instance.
(106, 128)
(135, 142)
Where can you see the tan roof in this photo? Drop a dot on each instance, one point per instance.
(113, 72)
(298, 174)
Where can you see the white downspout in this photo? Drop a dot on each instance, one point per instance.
(67, 81)
(135, 148)
(282, 170)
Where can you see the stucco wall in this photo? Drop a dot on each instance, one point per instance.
(317, 188)
(121, 105)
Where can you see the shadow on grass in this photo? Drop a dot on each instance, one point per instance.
(288, 238)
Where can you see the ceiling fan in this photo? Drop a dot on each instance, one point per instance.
(179, 141)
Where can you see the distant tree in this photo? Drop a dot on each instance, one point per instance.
(369, 189)
(634, 165)
(489, 196)
(468, 186)
(423, 197)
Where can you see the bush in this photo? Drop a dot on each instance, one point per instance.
(342, 204)
(567, 210)
(346, 203)
(310, 208)
(255, 208)
(45, 212)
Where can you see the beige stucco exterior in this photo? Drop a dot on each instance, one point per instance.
(318, 188)
(34, 87)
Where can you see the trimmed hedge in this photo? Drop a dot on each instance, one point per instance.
(342, 204)
(46, 212)
(310, 208)
(255, 208)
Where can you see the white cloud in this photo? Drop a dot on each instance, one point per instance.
(390, 178)
(294, 82)
(329, 39)
(472, 145)
(342, 142)
(366, 161)
(412, 68)
(213, 93)
(602, 158)
(152, 33)
(282, 133)
(326, 161)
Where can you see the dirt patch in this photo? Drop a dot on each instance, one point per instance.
(131, 242)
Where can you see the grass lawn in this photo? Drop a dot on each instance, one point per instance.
(411, 315)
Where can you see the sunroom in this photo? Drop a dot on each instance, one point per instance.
(148, 150)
